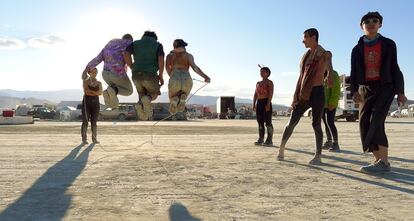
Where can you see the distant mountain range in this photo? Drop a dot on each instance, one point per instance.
(10, 98)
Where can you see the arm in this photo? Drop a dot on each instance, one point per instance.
(254, 101)
(329, 69)
(168, 65)
(354, 82)
(269, 99)
(197, 69)
(161, 69)
(398, 77)
(90, 92)
(127, 59)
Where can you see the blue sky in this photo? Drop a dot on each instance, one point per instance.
(44, 45)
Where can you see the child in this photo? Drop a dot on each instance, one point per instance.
(263, 95)
(92, 88)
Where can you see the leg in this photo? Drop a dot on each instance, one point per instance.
(137, 80)
(110, 94)
(317, 104)
(331, 122)
(260, 121)
(269, 126)
(94, 109)
(123, 85)
(84, 127)
(187, 84)
(293, 121)
(328, 132)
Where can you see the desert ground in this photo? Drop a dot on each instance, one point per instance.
(198, 170)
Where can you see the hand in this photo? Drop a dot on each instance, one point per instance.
(401, 99)
(357, 97)
(161, 80)
(331, 107)
(293, 106)
(267, 108)
(254, 107)
(207, 79)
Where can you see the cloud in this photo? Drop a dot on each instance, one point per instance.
(6, 26)
(45, 41)
(11, 44)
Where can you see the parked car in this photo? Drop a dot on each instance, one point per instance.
(123, 112)
(42, 113)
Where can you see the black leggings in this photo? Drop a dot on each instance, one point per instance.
(317, 103)
(90, 112)
(262, 115)
(330, 128)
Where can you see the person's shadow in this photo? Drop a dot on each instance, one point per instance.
(47, 199)
(178, 212)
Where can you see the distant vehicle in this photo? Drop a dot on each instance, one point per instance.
(411, 110)
(42, 112)
(347, 108)
(396, 113)
(226, 107)
(123, 112)
(161, 111)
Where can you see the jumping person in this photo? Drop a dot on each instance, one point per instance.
(331, 103)
(148, 60)
(375, 79)
(114, 71)
(309, 91)
(178, 63)
(92, 88)
(263, 95)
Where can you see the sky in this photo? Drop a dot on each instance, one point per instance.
(45, 45)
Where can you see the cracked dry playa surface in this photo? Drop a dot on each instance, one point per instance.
(198, 170)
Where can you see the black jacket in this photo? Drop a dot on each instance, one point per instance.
(390, 71)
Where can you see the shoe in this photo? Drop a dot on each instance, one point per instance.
(334, 148)
(378, 167)
(268, 143)
(84, 142)
(140, 112)
(173, 105)
(259, 142)
(327, 145)
(281, 154)
(316, 160)
(96, 142)
(181, 104)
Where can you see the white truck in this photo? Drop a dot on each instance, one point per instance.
(347, 108)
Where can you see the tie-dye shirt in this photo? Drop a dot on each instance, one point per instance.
(112, 56)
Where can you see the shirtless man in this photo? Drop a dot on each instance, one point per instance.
(309, 91)
(178, 63)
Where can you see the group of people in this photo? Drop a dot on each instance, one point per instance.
(145, 58)
(375, 80)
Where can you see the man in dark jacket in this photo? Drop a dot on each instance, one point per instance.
(375, 79)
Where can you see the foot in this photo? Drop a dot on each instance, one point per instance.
(316, 160)
(140, 111)
(173, 105)
(96, 142)
(259, 142)
(376, 168)
(334, 148)
(281, 154)
(327, 145)
(84, 142)
(268, 143)
(181, 104)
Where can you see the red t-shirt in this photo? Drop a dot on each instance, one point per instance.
(372, 59)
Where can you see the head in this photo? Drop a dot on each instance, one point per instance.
(310, 37)
(93, 72)
(371, 23)
(265, 72)
(127, 37)
(150, 34)
(179, 43)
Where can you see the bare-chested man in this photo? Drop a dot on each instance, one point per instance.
(178, 63)
(309, 91)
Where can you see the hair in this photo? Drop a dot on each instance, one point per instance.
(266, 69)
(128, 37)
(371, 15)
(179, 43)
(150, 34)
(312, 32)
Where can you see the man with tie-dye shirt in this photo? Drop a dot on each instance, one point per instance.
(114, 71)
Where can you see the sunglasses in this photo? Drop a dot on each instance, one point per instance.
(371, 21)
